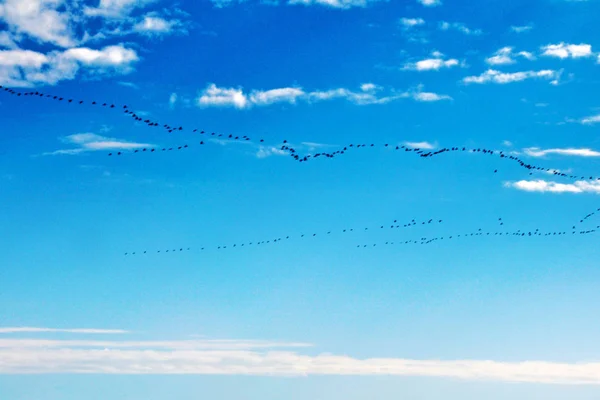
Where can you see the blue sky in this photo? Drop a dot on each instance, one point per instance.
(494, 316)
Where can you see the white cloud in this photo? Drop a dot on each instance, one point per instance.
(282, 95)
(428, 96)
(527, 55)
(594, 119)
(421, 145)
(77, 330)
(459, 27)
(22, 58)
(501, 57)
(564, 50)
(493, 76)
(25, 68)
(537, 152)
(266, 151)
(431, 64)
(342, 4)
(222, 97)
(152, 24)
(521, 29)
(38, 19)
(411, 22)
(7, 41)
(430, 3)
(541, 185)
(369, 87)
(115, 8)
(86, 142)
(507, 143)
(205, 357)
(111, 56)
(214, 96)
(504, 56)
(172, 100)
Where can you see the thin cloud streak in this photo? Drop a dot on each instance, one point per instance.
(537, 152)
(543, 186)
(76, 330)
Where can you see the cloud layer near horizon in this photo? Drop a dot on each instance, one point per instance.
(246, 357)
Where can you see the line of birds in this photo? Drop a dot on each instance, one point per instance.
(589, 215)
(419, 241)
(394, 225)
(518, 233)
(293, 153)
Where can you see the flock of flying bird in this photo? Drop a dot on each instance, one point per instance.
(395, 225)
(285, 146)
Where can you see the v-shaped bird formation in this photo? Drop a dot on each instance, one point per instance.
(283, 144)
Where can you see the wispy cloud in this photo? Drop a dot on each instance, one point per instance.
(411, 22)
(86, 142)
(458, 26)
(430, 3)
(26, 329)
(205, 357)
(506, 56)
(25, 68)
(543, 186)
(431, 64)
(172, 100)
(537, 152)
(591, 120)
(521, 29)
(368, 94)
(421, 145)
(564, 50)
(494, 76)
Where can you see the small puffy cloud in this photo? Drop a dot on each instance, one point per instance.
(172, 100)
(493, 76)
(264, 152)
(222, 97)
(457, 26)
(507, 143)
(501, 57)
(521, 29)
(543, 186)
(110, 56)
(430, 3)
(282, 95)
(431, 64)
(411, 22)
(429, 96)
(421, 145)
(86, 142)
(369, 87)
(152, 24)
(564, 50)
(505, 56)
(594, 119)
(537, 152)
